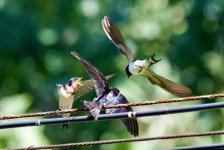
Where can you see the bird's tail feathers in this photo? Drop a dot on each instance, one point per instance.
(65, 115)
(94, 107)
(170, 86)
(65, 126)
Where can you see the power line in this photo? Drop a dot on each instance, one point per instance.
(201, 147)
(190, 98)
(123, 140)
(163, 111)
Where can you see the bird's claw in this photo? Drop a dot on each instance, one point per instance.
(152, 59)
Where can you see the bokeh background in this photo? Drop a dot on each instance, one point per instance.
(36, 38)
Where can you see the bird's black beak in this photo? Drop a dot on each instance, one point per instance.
(128, 73)
(153, 60)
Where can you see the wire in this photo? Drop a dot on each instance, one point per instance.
(201, 147)
(191, 98)
(123, 140)
(163, 111)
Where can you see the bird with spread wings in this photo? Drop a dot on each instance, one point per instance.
(141, 67)
(106, 96)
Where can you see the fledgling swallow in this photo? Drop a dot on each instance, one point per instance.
(106, 96)
(141, 67)
(71, 91)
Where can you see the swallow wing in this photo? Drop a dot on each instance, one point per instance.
(114, 34)
(168, 85)
(87, 86)
(100, 81)
(130, 123)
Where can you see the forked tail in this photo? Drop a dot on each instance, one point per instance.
(65, 126)
(94, 107)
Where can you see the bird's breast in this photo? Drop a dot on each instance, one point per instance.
(136, 67)
(112, 101)
(66, 102)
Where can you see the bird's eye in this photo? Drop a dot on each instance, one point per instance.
(69, 82)
(115, 94)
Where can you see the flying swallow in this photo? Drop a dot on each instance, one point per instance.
(141, 67)
(106, 96)
(71, 91)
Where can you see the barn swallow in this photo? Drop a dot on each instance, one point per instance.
(141, 67)
(106, 96)
(71, 91)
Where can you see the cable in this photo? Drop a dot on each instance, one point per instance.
(191, 98)
(69, 145)
(201, 147)
(163, 111)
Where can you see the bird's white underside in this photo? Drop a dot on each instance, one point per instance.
(136, 67)
(65, 100)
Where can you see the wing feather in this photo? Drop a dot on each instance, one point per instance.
(114, 34)
(130, 123)
(87, 86)
(100, 81)
(168, 85)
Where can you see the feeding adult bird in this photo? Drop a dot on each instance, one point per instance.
(71, 91)
(141, 67)
(106, 96)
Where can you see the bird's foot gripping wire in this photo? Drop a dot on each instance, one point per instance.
(152, 60)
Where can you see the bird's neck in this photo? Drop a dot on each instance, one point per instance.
(137, 66)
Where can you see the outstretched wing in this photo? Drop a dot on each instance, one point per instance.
(114, 34)
(168, 85)
(100, 81)
(130, 123)
(87, 86)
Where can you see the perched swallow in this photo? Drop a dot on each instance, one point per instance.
(106, 96)
(71, 91)
(141, 67)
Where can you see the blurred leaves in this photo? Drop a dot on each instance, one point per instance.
(36, 40)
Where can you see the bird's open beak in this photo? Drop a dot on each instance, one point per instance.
(153, 60)
(79, 81)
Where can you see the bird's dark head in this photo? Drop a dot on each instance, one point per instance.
(73, 84)
(115, 91)
(75, 80)
(128, 73)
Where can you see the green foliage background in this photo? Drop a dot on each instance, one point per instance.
(36, 38)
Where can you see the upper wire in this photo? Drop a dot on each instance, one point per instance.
(153, 102)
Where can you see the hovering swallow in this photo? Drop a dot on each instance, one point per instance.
(71, 91)
(141, 67)
(106, 96)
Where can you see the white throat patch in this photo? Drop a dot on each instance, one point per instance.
(137, 66)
